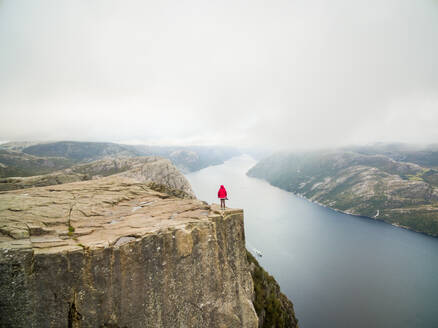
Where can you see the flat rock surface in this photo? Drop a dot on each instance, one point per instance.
(115, 252)
(91, 214)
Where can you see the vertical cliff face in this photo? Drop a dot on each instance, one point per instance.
(115, 253)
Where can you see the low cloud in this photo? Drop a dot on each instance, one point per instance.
(279, 74)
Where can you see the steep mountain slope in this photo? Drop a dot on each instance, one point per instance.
(376, 186)
(273, 308)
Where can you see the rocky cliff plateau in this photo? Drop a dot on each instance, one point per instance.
(127, 246)
(114, 253)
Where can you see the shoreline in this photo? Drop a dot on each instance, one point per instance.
(375, 218)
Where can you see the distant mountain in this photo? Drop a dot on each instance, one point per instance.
(21, 159)
(426, 156)
(79, 151)
(361, 183)
(147, 169)
(190, 158)
(17, 145)
(16, 163)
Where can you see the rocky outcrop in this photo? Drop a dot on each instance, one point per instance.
(113, 252)
(160, 171)
(156, 170)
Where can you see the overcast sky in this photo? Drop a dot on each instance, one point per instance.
(272, 73)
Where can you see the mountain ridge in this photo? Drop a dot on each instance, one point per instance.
(46, 157)
(374, 185)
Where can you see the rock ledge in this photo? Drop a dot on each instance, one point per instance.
(113, 252)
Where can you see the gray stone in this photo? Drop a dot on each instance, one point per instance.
(142, 271)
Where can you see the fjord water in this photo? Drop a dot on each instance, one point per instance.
(339, 270)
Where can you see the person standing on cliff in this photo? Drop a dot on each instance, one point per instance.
(222, 195)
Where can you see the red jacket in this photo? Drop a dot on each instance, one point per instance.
(222, 193)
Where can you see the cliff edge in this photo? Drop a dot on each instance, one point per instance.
(115, 252)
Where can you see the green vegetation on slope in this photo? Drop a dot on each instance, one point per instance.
(17, 164)
(372, 185)
(78, 151)
(273, 308)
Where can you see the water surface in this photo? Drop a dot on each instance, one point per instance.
(339, 270)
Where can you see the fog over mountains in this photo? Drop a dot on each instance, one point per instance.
(33, 158)
(278, 74)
